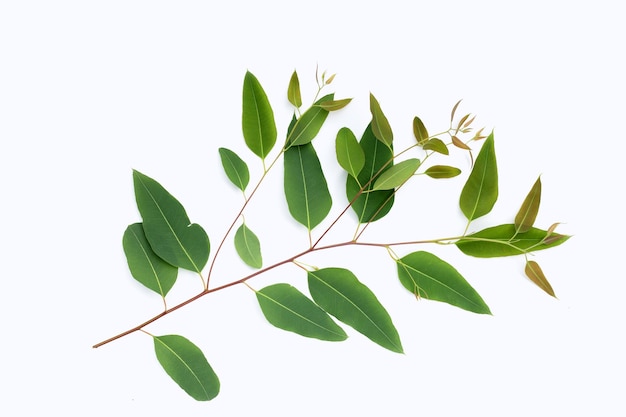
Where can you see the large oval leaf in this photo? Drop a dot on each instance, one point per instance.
(248, 247)
(504, 240)
(527, 214)
(309, 124)
(145, 266)
(287, 308)
(167, 227)
(341, 294)
(427, 276)
(235, 168)
(396, 175)
(185, 363)
(481, 189)
(257, 119)
(372, 205)
(350, 155)
(306, 189)
(380, 125)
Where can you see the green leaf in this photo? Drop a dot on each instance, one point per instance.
(167, 227)
(293, 91)
(436, 145)
(185, 363)
(306, 190)
(350, 155)
(341, 294)
(535, 274)
(427, 276)
(374, 205)
(527, 214)
(419, 130)
(380, 125)
(504, 240)
(442, 171)
(235, 168)
(145, 266)
(481, 189)
(248, 247)
(396, 175)
(309, 124)
(259, 128)
(334, 105)
(287, 308)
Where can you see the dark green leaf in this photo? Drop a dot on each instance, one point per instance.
(334, 105)
(436, 145)
(248, 247)
(427, 276)
(530, 207)
(309, 124)
(380, 124)
(259, 128)
(481, 189)
(341, 294)
(235, 168)
(504, 240)
(167, 227)
(419, 130)
(534, 272)
(396, 175)
(185, 363)
(287, 308)
(306, 190)
(293, 91)
(442, 171)
(145, 266)
(371, 206)
(350, 155)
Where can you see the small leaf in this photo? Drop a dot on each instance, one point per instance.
(168, 229)
(287, 308)
(454, 110)
(330, 79)
(427, 276)
(442, 171)
(235, 168)
(293, 91)
(248, 247)
(460, 144)
(481, 189)
(534, 272)
(396, 175)
(259, 127)
(145, 265)
(530, 207)
(306, 189)
(419, 130)
(436, 145)
(380, 124)
(185, 363)
(334, 105)
(309, 124)
(341, 294)
(504, 240)
(350, 155)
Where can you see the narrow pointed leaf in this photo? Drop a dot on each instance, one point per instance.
(527, 214)
(342, 295)
(481, 189)
(350, 155)
(380, 124)
(248, 247)
(396, 175)
(185, 363)
(145, 265)
(235, 168)
(259, 127)
(454, 110)
(419, 130)
(436, 145)
(287, 308)
(504, 240)
(306, 189)
(373, 205)
(427, 276)
(309, 124)
(442, 171)
(334, 105)
(168, 229)
(293, 91)
(460, 144)
(535, 274)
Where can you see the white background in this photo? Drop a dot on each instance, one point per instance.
(90, 90)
